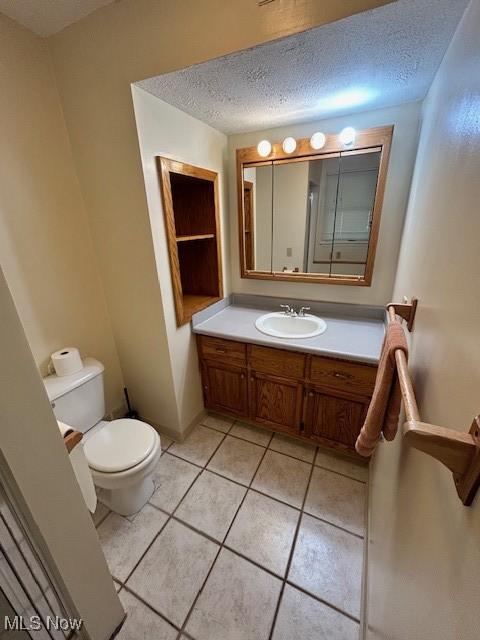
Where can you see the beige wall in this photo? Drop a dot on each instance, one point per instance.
(424, 552)
(45, 246)
(402, 158)
(166, 131)
(95, 61)
(44, 486)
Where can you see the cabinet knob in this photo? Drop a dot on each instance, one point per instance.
(310, 394)
(242, 376)
(206, 387)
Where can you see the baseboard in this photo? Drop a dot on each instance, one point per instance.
(173, 434)
(118, 412)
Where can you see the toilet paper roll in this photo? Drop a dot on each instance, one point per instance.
(67, 361)
(81, 469)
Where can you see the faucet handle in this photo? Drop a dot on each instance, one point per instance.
(302, 310)
(287, 308)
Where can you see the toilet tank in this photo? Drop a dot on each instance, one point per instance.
(78, 399)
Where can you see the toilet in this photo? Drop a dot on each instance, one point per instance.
(122, 454)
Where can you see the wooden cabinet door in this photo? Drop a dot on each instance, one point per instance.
(276, 402)
(225, 388)
(334, 417)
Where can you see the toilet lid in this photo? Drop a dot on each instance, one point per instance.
(119, 445)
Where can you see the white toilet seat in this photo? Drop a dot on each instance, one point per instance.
(120, 445)
(118, 479)
(128, 488)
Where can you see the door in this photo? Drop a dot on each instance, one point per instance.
(276, 402)
(337, 417)
(249, 224)
(225, 388)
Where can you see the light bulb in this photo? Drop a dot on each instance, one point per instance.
(289, 145)
(317, 141)
(347, 136)
(264, 148)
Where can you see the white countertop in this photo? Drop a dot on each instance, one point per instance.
(348, 337)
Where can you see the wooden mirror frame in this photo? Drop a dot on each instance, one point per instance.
(380, 137)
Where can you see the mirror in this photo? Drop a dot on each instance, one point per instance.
(312, 217)
(258, 210)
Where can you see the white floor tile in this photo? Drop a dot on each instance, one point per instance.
(124, 542)
(173, 571)
(263, 531)
(211, 504)
(328, 563)
(237, 603)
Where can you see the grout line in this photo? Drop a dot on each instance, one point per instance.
(319, 599)
(301, 511)
(197, 464)
(149, 606)
(124, 582)
(364, 594)
(165, 523)
(267, 446)
(102, 520)
(357, 535)
(175, 455)
(290, 555)
(215, 429)
(340, 473)
(220, 547)
(254, 562)
(332, 524)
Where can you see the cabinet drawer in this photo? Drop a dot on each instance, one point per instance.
(277, 362)
(345, 376)
(223, 350)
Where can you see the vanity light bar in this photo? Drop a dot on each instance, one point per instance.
(289, 145)
(264, 148)
(317, 141)
(347, 136)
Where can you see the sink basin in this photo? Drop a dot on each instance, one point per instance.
(280, 325)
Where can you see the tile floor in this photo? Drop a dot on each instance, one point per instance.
(249, 536)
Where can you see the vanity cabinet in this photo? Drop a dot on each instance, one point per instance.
(275, 402)
(334, 417)
(225, 388)
(310, 397)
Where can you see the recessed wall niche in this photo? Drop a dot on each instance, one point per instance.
(190, 204)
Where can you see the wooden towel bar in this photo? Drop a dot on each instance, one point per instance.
(458, 451)
(72, 439)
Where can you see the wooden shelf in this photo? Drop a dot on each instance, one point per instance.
(193, 303)
(202, 236)
(190, 205)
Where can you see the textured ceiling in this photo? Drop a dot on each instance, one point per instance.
(45, 17)
(374, 59)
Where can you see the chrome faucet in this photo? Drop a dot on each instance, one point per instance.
(288, 310)
(292, 311)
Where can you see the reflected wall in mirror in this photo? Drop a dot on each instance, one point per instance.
(313, 217)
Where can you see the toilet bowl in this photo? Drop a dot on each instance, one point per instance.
(122, 456)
